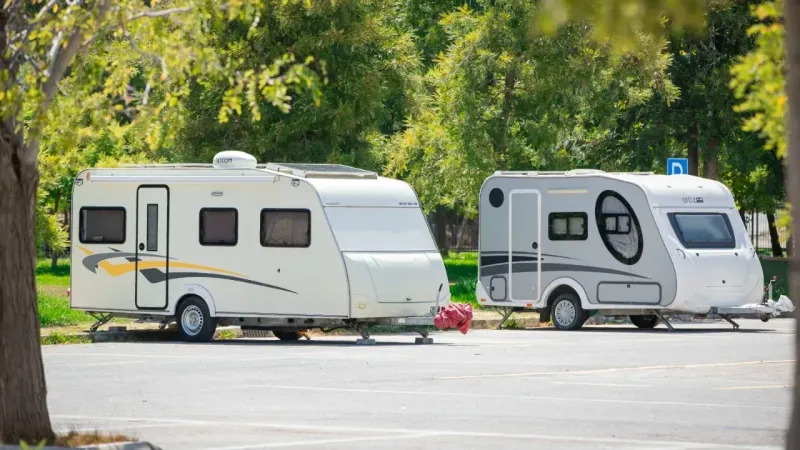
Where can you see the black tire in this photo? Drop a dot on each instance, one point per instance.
(565, 307)
(286, 335)
(645, 322)
(194, 321)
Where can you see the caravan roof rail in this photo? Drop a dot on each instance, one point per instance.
(175, 166)
(304, 170)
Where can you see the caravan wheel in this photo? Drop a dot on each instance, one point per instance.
(566, 312)
(195, 323)
(645, 322)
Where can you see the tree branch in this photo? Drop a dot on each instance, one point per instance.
(50, 88)
(162, 13)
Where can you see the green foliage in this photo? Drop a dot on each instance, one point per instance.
(371, 68)
(759, 78)
(502, 99)
(624, 21)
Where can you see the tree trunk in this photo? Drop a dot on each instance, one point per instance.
(711, 160)
(23, 394)
(692, 136)
(792, 41)
(54, 254)
(777, 250)
(441, 231)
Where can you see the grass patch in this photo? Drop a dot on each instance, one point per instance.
(56, 338)
(462, 271)
(50, 276)
(226, 334)
(55, 311)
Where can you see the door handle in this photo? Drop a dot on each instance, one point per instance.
(535, 245)
(141, 246)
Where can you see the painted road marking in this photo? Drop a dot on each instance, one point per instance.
(614, 369)
(510, 397)
(406, 431)
(734, 388)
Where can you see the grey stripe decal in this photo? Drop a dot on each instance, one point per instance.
(515, 253)
(157, 276)
(91, 261)
(502, 269)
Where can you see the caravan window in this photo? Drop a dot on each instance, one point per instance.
(619, 228)
(218, 226)
(703, 230)
(617, 223)
(285, 227)
(380, 230)
(102, 225)
(565, 226)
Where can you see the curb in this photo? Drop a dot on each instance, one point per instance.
(115, 446)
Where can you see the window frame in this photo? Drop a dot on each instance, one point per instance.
(634, 224)
(235, 227)
(567, 237)
(82, 223)
(279, 210)
(729, 245)
(616, 217)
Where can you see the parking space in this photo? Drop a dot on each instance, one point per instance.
(702, 386)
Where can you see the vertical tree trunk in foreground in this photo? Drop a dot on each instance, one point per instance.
(792, 39)
(23, 394)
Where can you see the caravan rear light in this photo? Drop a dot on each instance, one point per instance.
(483, 300)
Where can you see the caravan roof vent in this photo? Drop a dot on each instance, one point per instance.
(234, 160)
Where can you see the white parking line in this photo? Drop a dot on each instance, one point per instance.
(400, 432)
(581, 399)
(328, 441)
(615, 369)
(736, 388)
(577, 383)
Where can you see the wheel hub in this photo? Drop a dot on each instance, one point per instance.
(565, 313)
(192, 320)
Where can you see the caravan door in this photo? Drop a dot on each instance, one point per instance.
(152, 247)
(524, 246)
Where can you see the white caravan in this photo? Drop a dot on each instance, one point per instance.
(587, 242)
(281, 247)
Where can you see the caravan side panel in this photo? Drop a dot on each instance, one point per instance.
(626, 269)
(103, 245)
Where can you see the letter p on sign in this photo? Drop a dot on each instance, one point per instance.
(677, 166)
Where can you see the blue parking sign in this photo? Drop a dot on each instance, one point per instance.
(677, 166)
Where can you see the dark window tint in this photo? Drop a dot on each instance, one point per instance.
(102, 225)
(616, 223)
(703, 230)
(218, 226)
(152, 228)
(285, 228)
(567, 226)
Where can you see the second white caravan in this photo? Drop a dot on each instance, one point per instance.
(588, 242)
(283, 247)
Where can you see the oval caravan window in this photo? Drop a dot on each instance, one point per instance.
(619, 227)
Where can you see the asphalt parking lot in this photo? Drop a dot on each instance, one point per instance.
(702, 386)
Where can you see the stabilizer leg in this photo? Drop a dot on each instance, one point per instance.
(101, 319)
(664, 319)
(730, 321)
